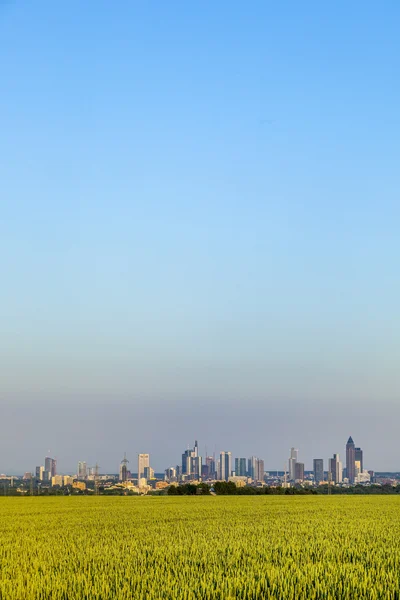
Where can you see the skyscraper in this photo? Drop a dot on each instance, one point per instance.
(82, 470)
(50, 465)
(143, 461)
(240, 467)
(358, 457)
(350, 460)
(335, 469)
(299, 471)
(294, 454)
(259, 474)
(191, 466)
(225, 465)
(39, 473)
(211, 467)
(252, 467)
(123, 469)
(318, 465)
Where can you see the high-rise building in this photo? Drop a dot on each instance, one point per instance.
(197, 464)
(259, 474)
(225, 465)
(170, 474)
(240, 467)
(82, 470)
(294, 454)
(39, 473)
(252, 467)
(350, 460)
(211, 467)
(318, 467)
(50, 465)
(358, 458)
(335, 469)
(299, 471)
(255, 468)
(191, 466)
(143, 461)
(123, 469)
(148, 473)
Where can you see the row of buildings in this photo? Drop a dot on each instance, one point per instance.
(223, 468)
(354, 471)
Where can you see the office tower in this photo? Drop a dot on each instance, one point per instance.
(148, 473)
(197, 464)
(252, 467)
(123, 469)
(211, 467)
(40, 473)
(46, 476)
(240, 467)
(192, 462)
(50, 465)
(318, 465)
(350, 460)
(170, 474)
(335, 469)
(292, 463)
(143, 461)
(82, 470)
(259, 474)
(299, 471)
(225, 465)
(358, 459)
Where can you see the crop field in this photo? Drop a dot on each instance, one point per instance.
(76, 548)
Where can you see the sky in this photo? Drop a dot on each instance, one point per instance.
(199, 231)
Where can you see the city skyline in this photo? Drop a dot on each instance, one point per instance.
(193, 462)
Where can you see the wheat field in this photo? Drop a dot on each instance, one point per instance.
(75, 548)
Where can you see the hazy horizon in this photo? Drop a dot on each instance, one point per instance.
(199, 232)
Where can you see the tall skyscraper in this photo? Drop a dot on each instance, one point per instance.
(211, 467)
(255, 468)
(148, 473)
(318, 465)
(191, 462)
(259, 474)
(82, 470)
(358, 457)
(335, 469)
(240, 467)
(40, 473)
(225, 465)
(170, 474)
(252, 467)
(123, 469)
(299, 471)
(50, 465)
(294, 454)
(143, 461)
(350, 460)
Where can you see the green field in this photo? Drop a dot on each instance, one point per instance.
(200, 547)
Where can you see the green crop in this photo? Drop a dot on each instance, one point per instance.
(217, 548)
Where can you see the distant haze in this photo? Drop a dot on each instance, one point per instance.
(199, 232)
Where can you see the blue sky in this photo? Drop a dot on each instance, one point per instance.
(200, 207)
